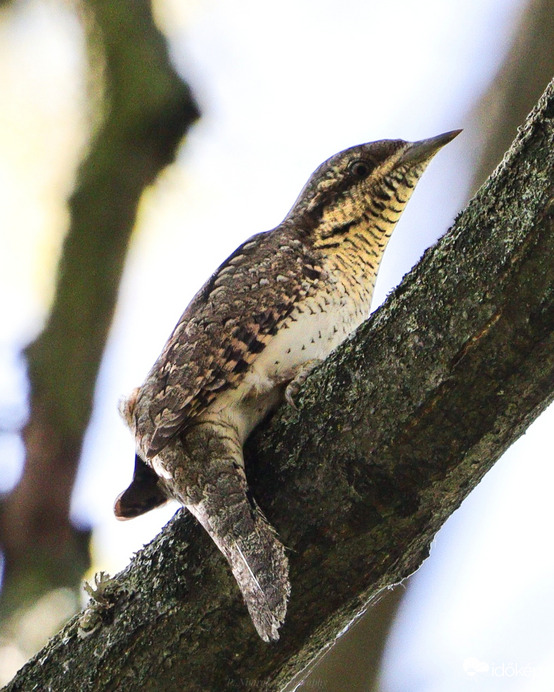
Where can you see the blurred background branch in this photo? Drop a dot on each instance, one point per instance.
(146, 108)
(522, 78)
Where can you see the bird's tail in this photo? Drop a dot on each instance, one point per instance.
(255, 554)
(212, 485)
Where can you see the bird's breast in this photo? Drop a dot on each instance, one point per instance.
(314, 328)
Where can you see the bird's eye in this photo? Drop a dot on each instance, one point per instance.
(360, 169)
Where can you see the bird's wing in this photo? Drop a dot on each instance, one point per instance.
(226, 326)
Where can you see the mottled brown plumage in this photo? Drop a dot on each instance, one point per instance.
(278, 305)
(226, 326)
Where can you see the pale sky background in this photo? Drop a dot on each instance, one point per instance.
(281, 88)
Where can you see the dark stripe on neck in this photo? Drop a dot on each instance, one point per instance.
(340, 229)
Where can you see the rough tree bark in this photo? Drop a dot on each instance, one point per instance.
(148, 109)
(393, 431)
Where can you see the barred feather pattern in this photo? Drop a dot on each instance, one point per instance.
(227, 325)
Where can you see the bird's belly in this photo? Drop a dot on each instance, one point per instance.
(306, 337)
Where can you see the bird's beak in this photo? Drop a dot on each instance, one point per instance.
(423, 150)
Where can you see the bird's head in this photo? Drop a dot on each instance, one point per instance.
(369, 185)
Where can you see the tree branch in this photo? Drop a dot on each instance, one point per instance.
(394, 430)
